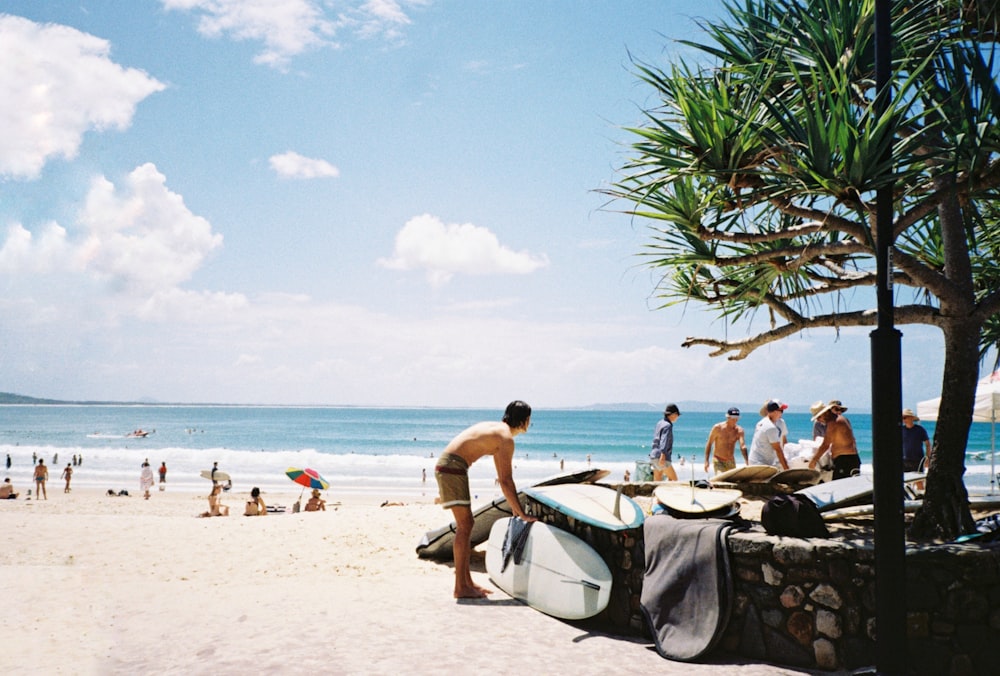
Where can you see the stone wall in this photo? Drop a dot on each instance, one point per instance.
(811, 602)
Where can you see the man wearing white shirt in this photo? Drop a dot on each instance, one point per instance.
(770, 436)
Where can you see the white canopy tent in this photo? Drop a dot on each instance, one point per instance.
(987, 409)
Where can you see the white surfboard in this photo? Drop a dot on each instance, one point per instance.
(559, 574)
(839, 493)
(746, 474)
(219, 475)
(591, 504)
(692, 500)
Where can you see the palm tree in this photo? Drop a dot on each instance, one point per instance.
(757, 177)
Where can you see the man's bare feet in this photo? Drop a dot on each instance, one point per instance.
(472, 592)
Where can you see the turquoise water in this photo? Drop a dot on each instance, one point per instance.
(383, 450)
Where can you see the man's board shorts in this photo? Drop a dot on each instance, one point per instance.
(452, 474)
(723, 465)
(846, 465)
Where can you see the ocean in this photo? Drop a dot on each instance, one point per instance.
(379, 451)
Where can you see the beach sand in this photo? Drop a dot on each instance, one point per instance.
(93, 584)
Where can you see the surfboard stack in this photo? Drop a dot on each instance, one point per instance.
(437, 544)
(558, 573)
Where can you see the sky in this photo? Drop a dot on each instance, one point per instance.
(381, 202)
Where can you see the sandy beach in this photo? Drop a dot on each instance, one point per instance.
(110, 585)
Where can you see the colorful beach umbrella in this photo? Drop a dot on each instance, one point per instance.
(309, 478)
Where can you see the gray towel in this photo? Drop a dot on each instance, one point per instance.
(514, 541)
(687, 590)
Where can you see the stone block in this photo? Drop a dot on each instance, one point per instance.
(784, 650)
(825, 654)
(771, 574)
(828, 624)
(792, 596)
(801, 626)
(772, 617)
(826, 595)
(794, 552)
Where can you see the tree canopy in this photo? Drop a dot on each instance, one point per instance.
(757, 171)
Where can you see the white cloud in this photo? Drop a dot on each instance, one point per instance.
(290, 27)
(22, 252)
(293, 165)
(57, 83)
(143, 238)
(139, 238)
(443, 250)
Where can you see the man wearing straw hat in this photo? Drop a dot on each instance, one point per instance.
(839, 440)
(916, 443)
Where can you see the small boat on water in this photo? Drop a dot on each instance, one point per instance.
(138, 433)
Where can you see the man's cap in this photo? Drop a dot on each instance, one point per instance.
(834, 405)
(671, 408)
(734, 412)
(772, 405)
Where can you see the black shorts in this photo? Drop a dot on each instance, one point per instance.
(845, 466)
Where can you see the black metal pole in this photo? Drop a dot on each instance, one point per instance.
(887, 457)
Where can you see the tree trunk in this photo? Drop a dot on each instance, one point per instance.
(945, 513)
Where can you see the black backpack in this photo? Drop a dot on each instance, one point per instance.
(794, 515)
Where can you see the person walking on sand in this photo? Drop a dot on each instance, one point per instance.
(146, 479)
(839, 440)
(163, 475)
(662, 447)
(67, 474)
(41, 476)
(916, 443)
(724, 436)
(769, 436)
(452, 474)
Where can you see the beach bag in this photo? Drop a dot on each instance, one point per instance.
(794, 515)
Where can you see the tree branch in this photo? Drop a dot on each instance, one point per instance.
(907, 314)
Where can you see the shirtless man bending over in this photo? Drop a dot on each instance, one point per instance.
(452, 474)
(839, 440)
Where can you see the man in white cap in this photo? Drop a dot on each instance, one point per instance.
(724, 436)
(769, 436)
(916, 443)
(839, 440)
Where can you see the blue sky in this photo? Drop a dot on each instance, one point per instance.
(372, 203)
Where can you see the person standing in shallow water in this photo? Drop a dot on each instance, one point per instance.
(452, 474)
(67, 474)
(41, 476)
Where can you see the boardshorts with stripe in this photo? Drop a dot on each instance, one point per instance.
(452, 474)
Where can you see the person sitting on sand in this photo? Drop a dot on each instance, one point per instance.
(255, 505)
(315, 504)
(452, 474)
(215, 506)
(7, 490)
